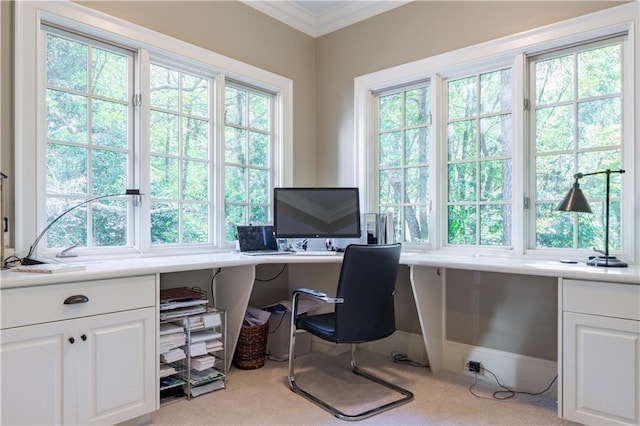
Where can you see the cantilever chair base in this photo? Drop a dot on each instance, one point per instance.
(407, 395)
(363, 312)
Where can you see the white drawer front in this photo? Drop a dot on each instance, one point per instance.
(34, 305)
(602, 298)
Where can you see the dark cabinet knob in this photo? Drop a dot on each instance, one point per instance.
(84, 337)
(72, 340)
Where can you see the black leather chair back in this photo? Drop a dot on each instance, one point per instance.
(367, 283)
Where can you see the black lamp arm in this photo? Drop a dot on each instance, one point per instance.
(133, 192)
(608, 172)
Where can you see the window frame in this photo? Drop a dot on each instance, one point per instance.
(533, 155)
(30, 120)
(477, 160)
(511, 51)
(89, 145)
(403, 166)
(272, 177)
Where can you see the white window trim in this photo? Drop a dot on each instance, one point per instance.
(509, 50)
(28, 41)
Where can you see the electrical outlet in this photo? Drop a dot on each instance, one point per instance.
(474, 366)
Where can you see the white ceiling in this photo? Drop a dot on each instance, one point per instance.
(321, 17)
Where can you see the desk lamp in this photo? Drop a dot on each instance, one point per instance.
(29, 259)
(575, 201)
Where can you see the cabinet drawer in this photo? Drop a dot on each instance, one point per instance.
(34, 305)
(601, 298)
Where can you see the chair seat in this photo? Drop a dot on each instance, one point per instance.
(322, 325)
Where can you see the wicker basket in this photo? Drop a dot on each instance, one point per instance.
(252, 347)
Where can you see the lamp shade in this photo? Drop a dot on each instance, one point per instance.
(575, 201)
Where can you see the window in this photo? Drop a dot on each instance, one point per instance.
(577, 115)
(479, 166)
(511, 121)
(103, 106)
(88, 139)
(403, 161)
(180, 159)
(248, 169)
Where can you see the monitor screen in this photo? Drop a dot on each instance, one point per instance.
(316, 212)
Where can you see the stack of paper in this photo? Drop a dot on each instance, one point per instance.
(166, 370)
(179, 312)
(173, 355)
(170, 341)
(203, 362)
(199, 336)
(212, 319)
(204, 376)
(200, 390)
(197, 349)
(167, 328)
(214, 345)
(208, 320)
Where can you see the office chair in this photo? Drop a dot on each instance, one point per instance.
(364, 312)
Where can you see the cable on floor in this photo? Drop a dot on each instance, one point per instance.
(510, 393)
(401, 358)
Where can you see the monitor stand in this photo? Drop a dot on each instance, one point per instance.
(316, 244)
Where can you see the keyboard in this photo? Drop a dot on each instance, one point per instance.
(316, 253)
(264, 252)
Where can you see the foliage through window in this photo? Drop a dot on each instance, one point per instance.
(88, 140)
(577, 111)
(180, 164)
(248, 168)
(403, 161)
(479, 164)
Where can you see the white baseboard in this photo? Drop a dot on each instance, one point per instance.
(516, 371)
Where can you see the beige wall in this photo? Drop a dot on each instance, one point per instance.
(414, 31)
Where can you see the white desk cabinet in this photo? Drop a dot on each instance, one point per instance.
(91, 362)
(601, 352)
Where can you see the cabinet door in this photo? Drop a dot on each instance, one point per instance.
(38, 374)
(116, 371)
(601, 367)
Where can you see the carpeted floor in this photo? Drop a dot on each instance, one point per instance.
(262, 397)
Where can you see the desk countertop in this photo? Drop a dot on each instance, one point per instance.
(96, 270)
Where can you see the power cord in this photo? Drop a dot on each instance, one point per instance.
(274, 277)
(510, 393)
(213, 278)
(401, 358)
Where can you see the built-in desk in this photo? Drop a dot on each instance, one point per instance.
(581, 291)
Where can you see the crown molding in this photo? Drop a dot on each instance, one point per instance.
(340, 15)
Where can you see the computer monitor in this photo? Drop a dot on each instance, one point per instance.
(316, 212)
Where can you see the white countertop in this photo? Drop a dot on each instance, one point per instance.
(150, 265)
(526, 266)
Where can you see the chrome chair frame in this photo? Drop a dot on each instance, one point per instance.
(407, 396)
